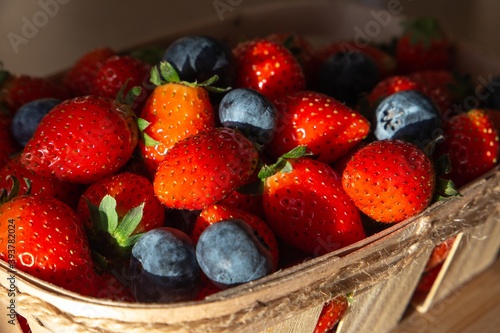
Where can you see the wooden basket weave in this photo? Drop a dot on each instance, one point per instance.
(382, 270)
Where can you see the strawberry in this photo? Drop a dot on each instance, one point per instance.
(439, 253)
(494, 116)
(132, 194)
(204, 169)
(120, 73)
(326, 126)
(423, 46)
(17, 90)
(218, 212)
(471, 142)
(333, 311)
(427, 281)
(391, 85)
(390, 180)
(68, 193)
(249, 202)
(7, 141)
(268, 67)
(23, 324)
(79, 78)
(173, 111)
(82, 140)
(306, 207)
(46, 239)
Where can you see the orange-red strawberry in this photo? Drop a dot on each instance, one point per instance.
(439, 253)
(218, 212)
(205, 168)
(423, 46)
(82, 140)
(471, 142)
(306, 207)
(333, 311)
(132, 194)
(390, 180)
(324, 125)
(45, 238)
(173, 111)
(268, 67)
(79, 78)
(17, 90)
(120, 73)
(68, 193)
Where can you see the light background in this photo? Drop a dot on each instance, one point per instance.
(78, 26)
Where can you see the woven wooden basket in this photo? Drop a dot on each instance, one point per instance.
(382, 271)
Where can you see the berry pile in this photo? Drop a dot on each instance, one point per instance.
(211, 165)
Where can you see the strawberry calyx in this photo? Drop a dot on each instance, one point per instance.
(148, 140)
(423, 30)
(8, 194)
(130, 97)
(445, 188)
(166, 73)
(112, 237)
(282, 164)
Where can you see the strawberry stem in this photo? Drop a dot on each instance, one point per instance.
(282, 164)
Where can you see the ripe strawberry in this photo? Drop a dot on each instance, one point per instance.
(427, 281)
(390, 180)
(471, 142)
(306, 207)
(205, 168)
(439, 253)
(173, 111)
(82, 140)
(423, 46)
(68, 193)
(327, 127)
(251, 203)
(267, 67)
(132, 194)
(7, 141)
(79, 78)
(120, 73)
(333, 311)
(218, 212)
(17, 90)
(391, 85)
(46, 239)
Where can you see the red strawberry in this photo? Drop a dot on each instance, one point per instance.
(23, 324)
(68, 193)
(120, 73)
(439, 253)
(173, 111)
(306, 207)
(126, 206)
(390, 180)
(79, 78)
(333, 311)
(427, 281)
(205, 168)
(471, 141)
(494, 116)
(391, 85)
(327, 127)
(251, 203)
(423, 46)
(217, 212)
(7, 142)
(207, 288)
(17, 90)
(50, 242)
(82, 140)
(267, 67)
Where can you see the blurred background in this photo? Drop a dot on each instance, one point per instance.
(42, 37)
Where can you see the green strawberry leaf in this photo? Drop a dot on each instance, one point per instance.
(155, 77)
(107, 210)
(128, 224)
(150, 54)
(442, 165)
(423, 30)
(445, 189)
(253, 188)
(282, 165)
(142, 124)
(168, 73)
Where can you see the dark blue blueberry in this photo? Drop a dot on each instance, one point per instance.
(230, 253)
(345, 76)
(407, 114)
(27, 117)
(250, 112)
(163, 267)
(492, 93)
(198, 58)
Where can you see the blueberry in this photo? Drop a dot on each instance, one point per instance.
(492, 93)
(346, 75)
(27, 117)
(163, 267)
(230, 253)
(407, 114)
(198, 58)
(250, 112)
